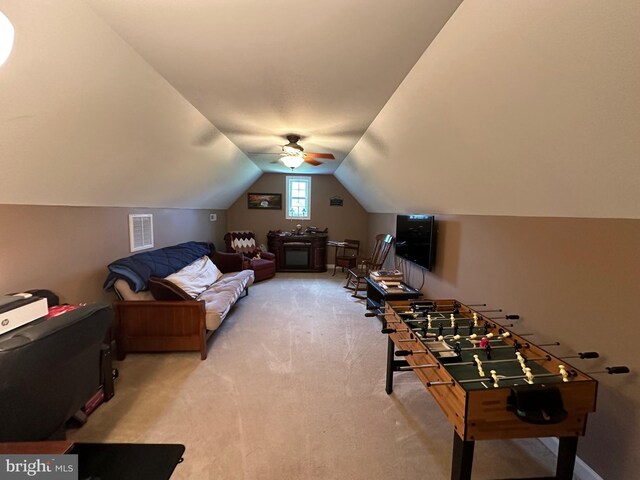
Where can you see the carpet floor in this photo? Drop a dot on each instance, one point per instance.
(293, 388)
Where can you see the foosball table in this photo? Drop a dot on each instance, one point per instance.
(490, 382)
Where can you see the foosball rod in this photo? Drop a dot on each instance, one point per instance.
(612, 370)
(504, 360)
(572, 373)
(379, 314)
(583, 355)
(394, 330)
(414, 367)
(406, 353)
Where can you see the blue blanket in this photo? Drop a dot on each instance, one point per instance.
(136, 269)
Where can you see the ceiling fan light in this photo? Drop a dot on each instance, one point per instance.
(292, 148)
(6, 37)
(292, 161)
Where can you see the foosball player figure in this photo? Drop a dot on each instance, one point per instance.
(440, 329)
(424, 331)
(457, 348)
(517, 346)
(486, 345)
(470, 329)
(486, 327)
(455, 329)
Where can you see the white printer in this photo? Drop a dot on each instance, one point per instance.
(19, 309)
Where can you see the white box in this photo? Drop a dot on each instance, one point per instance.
(18, 310)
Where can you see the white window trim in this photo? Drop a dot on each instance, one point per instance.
(290, 178)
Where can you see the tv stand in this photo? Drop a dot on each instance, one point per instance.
(377, 296)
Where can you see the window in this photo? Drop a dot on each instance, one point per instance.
(298, 198)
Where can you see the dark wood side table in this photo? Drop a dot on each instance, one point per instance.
(376, 295)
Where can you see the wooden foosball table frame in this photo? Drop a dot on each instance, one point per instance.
(482, 414)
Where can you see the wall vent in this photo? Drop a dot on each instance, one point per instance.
(140, 231)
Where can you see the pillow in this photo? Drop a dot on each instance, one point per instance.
(162, 289)
(196, 277)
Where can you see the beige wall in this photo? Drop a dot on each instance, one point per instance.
(526, 108)
(576, 281)
(571, 280)
(348, 221)
(67, 249)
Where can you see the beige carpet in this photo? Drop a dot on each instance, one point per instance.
(293, 388)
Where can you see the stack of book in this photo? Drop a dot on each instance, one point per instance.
(391, 285)
(390, 280)
(386, 276)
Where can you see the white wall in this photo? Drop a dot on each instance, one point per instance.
(517, 108)
(85, 121)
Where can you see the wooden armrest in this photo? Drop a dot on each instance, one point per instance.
(154, 325)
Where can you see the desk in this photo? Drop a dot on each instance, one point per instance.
(377, 296)
(109, 461)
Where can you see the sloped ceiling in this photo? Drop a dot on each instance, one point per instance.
(259, 70)
(528, 108)
(84, 120)
(516, 108)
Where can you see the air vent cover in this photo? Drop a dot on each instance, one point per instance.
(140, 231)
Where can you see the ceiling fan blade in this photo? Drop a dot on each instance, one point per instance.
(263, 153)
(275, 161)
(320, 155)
(313, 162)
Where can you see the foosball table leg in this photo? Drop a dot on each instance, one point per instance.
(462, 458)
(390, 366)
(567, 450)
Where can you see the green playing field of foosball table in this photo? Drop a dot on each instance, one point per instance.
(477, 358)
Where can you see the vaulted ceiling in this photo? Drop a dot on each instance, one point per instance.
(480, 107)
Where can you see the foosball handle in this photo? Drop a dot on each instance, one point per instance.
(512, 317)
(617, 370)
(388, 330)
(403, 353)
(584, 355)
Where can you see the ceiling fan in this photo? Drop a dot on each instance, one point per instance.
(293, 155)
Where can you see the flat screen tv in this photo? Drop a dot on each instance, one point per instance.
(416, 239)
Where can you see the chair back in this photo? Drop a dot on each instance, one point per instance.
(384, 241)
(241, 242)
(351, 249)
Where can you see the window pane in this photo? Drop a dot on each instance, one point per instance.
(298, 197)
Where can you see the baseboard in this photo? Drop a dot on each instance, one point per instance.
(581, 469)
